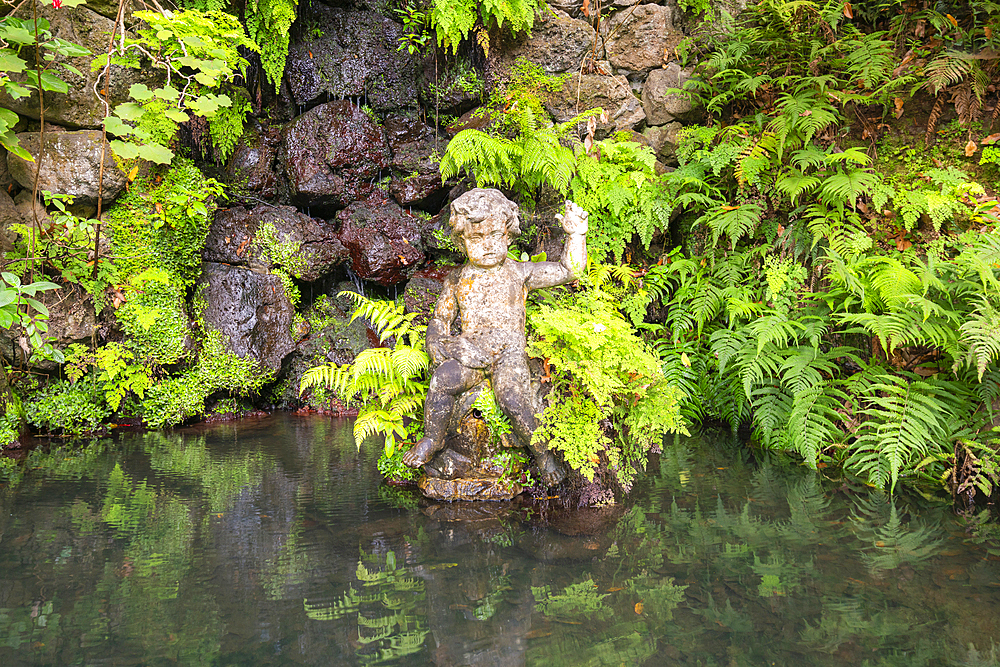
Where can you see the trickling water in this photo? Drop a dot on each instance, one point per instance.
(270, 542)
(357, 280)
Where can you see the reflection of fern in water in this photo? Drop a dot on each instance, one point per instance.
(893, 543)
(390, 621)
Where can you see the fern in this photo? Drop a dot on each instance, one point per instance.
(390, 382)
(982, 335)
(269, 23)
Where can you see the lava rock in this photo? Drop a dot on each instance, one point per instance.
(232, 235)
(357, 56)
(332, 155)
(79, 106)
(71, 320)
(251, 310)
(642, 39)
(383, 241)
(663, 140)
(70, 164)
(558, 43)
(423, 191)
(589, 91)
(662, 107)
(253, 164)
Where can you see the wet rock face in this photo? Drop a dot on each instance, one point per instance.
(558, 43)
(589, 91)
(357, 56)
(70, 164)
(424, 288)
(78, 107)
(233, 239)
(642, 39)
(663, 107)
(332, 155)
(253, 163)
(251, 310)
(664, 140)
(382, 240)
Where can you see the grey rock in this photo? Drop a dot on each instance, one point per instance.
(232, 235)
(251, 311)
(423, 191)
(663, 141)
(642, 39)
(383, 241)
(79, 107)
(662, 107)
(9, 215)
(70, 164)
(611, 93)
(71, 320)
(557, 44)
(332, 155)
(357, 56)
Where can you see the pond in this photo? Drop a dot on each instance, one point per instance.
(270, 541)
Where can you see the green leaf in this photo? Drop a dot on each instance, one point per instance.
(6, 319)
(9, 141)
(73, 3)
(205, 78)
(164, 35)
(168, 93)
(140, 92)
(126, 151)
(9, 62)
(115, 126)
(7, 296)
(129, 111)
(176, 115)
(53, 83)
(10, 279)
(16, 35)
(156, 153)
(16, 90)
(72, 69)
(38, 305)
(8, 117)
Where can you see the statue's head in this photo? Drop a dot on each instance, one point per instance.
(482, 224)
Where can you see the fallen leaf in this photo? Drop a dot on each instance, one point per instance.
(132, 174)
(729, 208)
(685, 361)
(991, 139)
(903, 244)
(970, 148)
(614, 589)
(898, 101)
(638, 607)
(585, 8)
(951, 18)
(847, 10)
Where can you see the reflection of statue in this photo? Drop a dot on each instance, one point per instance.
(487, 296)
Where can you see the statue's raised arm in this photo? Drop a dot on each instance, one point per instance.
(574, 257)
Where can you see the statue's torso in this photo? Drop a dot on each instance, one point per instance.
(491, 306)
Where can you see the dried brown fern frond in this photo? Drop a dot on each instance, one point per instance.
(932, 120)
(966, 103)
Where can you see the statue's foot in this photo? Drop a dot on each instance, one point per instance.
(552, 473)
(420, 453)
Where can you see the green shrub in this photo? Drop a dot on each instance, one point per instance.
(63, 407)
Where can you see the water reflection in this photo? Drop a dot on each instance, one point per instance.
(271, 542)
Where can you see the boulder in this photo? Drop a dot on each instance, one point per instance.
(251, 311)
(642, 39)
(71, 320)
(252, 166)
(662, 107)
(611, 93)
(663, 140)
(70, 164)
(79, 107)
(558, 43)
(423, 191)
(383, 241)
(332, 155)
(357, 56)
(232, 239)
(9, 215)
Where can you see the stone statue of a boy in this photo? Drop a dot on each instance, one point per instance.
(488, 296)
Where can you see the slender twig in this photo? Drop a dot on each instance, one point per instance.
(36, 223)
(119, 18)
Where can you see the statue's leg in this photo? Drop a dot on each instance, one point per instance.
(449, 380)
(512, 384)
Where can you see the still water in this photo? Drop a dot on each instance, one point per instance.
(270, 542)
